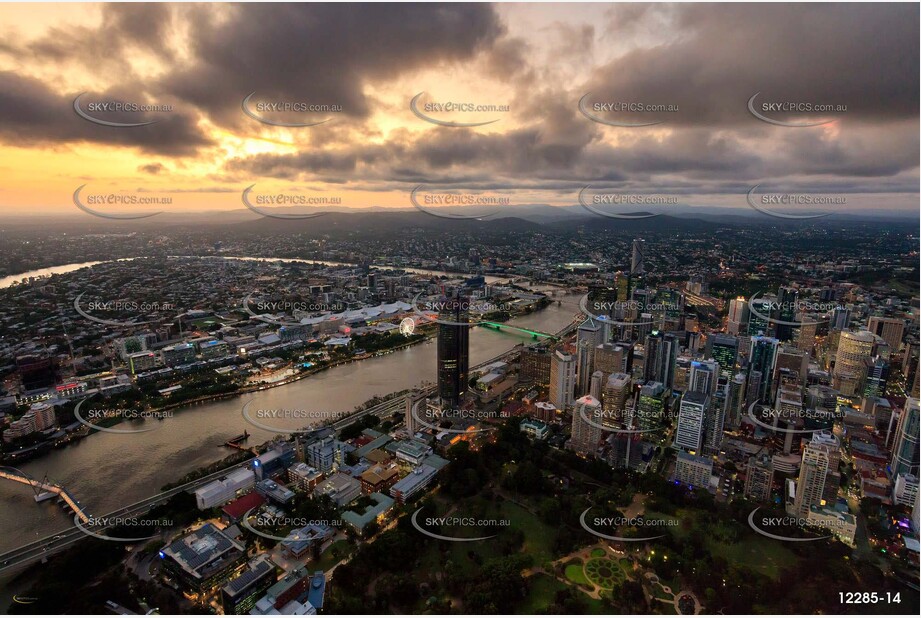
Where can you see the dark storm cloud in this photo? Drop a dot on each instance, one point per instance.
(860, 55)
(136, 26)
(152, 168)
(707, 59)
(33, 114)
(715, 60)
(321, 53)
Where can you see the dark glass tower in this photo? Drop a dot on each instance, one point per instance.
(764, 359)
(787, 298)
(661, 358)
(453, 349)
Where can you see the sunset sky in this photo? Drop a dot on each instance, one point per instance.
(539, 60)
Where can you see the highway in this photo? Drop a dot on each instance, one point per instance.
(41, 548)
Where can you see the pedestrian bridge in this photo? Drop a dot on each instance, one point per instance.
(39, 487)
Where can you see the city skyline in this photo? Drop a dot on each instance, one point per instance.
(460, 309)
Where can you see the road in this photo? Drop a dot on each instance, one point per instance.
(41, 548)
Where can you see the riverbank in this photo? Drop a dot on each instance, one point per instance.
(36, 451)
(113, 470)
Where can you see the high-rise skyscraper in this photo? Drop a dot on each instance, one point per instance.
(817, 483)
(759, 319)
(453, 349)
(609, 358)
(660, 357)
(562, 379)
(535, 365)
(786, 313)
(876, 377)
(650, 408)
(854, 349)
(905, 446)
(637, 266)
(794, 360)
(736, 400)
(691, 413)
(738, 316)
(762, 359)
(759, 477)
(725, 350)
(586, 436)
(840, 318)
(890, 329)
(415, 408)
(804, 334)
(597, 387)
(703, 376)
(715, 416)
(588, 338)
(617, 401)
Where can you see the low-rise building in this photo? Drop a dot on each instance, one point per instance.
(288, 597)
(693, 470)
(413, 452)
(414, 482)
(239, 595)
(203, 559)
(275, 492)
(340, 488)
(842, 525)
(536, 430)
(303, 477)
(381, 505)
(224, 490)
(379, 479)
(310, 537)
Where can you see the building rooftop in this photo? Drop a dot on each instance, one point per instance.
(201, 548)
(257, 567)
(240, 506)
(381, 505)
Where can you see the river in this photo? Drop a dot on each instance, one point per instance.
(106, 471)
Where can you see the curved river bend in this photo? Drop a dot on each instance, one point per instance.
(106, 471)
